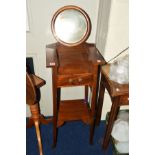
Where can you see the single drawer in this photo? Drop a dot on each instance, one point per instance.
(74, 80)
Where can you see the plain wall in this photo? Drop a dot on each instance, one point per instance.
(112, 34)
(118, 29)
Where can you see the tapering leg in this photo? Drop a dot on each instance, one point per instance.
(100, 101)
(112, 117)
(35, 116)
(55, 105)
(94, 90)
(36, 123)
(92, 125)
(56, 101)
(86, 94)
(54, 131)
(55, 115)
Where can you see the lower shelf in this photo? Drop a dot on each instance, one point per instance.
(71, 110)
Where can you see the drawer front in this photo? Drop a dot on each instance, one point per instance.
(75, 80)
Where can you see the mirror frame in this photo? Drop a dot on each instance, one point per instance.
(71, 7)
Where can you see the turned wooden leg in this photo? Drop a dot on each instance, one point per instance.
(36, 123)
(35, 117)
(112, 117)
(100, 101)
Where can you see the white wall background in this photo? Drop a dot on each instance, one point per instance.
(112, 34)
(118, 29)
(40, 13)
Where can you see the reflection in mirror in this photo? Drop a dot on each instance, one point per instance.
(70, 26)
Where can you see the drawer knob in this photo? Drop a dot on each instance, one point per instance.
(80, 79)
(70, 80)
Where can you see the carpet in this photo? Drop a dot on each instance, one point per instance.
(73, 139)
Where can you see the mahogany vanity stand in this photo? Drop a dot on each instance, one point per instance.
(119, 94)
(74, 66)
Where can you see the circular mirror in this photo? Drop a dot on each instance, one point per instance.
(71, 25)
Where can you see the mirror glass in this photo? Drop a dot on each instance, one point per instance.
(70, 26)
